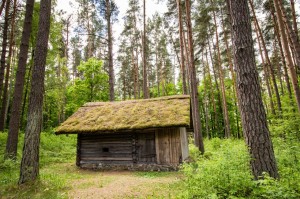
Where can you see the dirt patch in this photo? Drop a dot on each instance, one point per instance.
(125, 185)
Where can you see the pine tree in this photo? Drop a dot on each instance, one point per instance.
(254, 121)
(30, 159)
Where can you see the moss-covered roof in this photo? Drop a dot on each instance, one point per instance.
(129, 115)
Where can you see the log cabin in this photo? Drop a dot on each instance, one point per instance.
(148, 134)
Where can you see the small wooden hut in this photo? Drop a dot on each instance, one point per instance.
(136, 134)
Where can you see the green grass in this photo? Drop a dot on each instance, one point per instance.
(56, 157)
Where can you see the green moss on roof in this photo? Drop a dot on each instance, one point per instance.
(129, 115)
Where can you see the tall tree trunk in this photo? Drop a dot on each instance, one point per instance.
(212, 96)
(270, 67)
(221, 78)
(11, 45)
(110, 52)
(186, 62)
(193, 79)
(12, 139)
(23, 125)
(145, 82)
(286, 76)
(230, 63)
(287, 53)
(293, 38)
(253, 115)
(266, 72)
(276, 58)
(205, 100)
(4, 45)
(295, 26)
(30, 160)
(181, 37)
(2, 6)
(219, 125)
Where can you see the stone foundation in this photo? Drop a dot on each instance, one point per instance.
(129, 167)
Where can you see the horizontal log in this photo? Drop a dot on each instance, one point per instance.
(106, 158)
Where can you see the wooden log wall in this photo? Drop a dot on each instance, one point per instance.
(166, 146)
(106, 148)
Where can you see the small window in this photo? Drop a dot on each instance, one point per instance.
(105, 149)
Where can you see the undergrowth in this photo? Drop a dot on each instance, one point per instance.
(53, 178)
(224, 171)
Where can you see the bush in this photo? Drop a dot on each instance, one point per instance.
(224, 172)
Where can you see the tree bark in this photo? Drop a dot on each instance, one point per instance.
(12, 139)
(253, 114)
(287, 53)
(30, 160)
(182, 66)
(193, 79)
(4, 45)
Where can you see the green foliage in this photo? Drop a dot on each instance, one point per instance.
(52, 182)
(224, 172)
(91, 86)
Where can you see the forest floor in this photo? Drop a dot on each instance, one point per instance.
(116, 184)
(124, 184)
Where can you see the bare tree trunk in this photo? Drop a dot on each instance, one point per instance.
(23, 125)
(266, 72)
(230, 63)
(205, 101)
(287, 53)
(110, 53)
(4, 45)
(253, 115)
(11, 45)
(135, 76)
(293, 38)
(181, 37)
(286, 76)
(295, 26)
(193, 79)
(12, 139)
(2, 6)
(212, 96)
(279, 72)
(267, 58)
(30, 159)
(187, 63)
(145, 78)
(221, 78)
(219, 126)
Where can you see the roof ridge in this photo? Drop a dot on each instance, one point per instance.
(92, 104)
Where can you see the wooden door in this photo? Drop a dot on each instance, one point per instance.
(146, 147)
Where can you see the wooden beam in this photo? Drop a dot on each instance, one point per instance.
(157, 147)
(184, 143)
